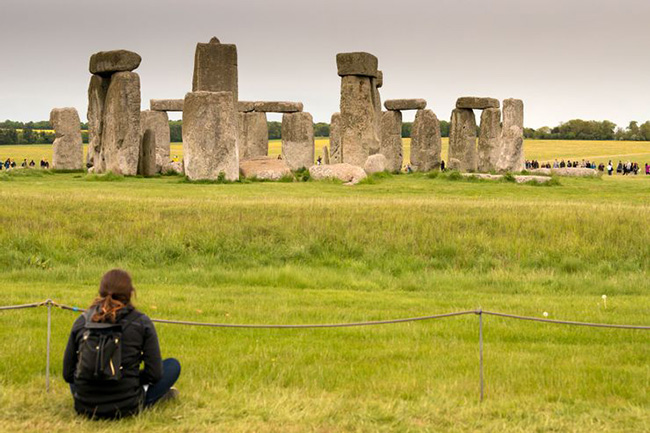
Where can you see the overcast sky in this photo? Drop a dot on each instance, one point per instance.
(565, 58)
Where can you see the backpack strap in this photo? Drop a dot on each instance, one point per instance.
(132, 316)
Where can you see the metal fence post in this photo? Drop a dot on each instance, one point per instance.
(480, 350)
(49, 337)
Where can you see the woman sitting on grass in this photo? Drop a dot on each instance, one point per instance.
(107, 344)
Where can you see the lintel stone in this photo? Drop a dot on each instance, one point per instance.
(477, 103)
(405, 104)
(359, 63)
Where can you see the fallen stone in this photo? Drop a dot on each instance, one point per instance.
(347, 173)
(68, 151)
(215, 68)
(391, 140)
(120, 142)
(375, 164)
(336, 154)
(536, 179)
(109, 62)
(278, 107)
(264, 168)
(476, 103)
(489, 140)
(210, 135)
(426, 141)
(359, 132)
(173, 167)
(97, 90)
(511, 154)
(567, 171)
(462, 140)
(245, 106)
(405, 104)
(358, 63)
(158, 123)
(166, 104)
(147, 161)
(253, 135)
(483, 176)
(298, 140)
(518, 179)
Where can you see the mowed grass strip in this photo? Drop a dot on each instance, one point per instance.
(316, 252)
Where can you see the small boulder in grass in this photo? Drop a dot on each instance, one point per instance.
(375, 164)
(347, 173)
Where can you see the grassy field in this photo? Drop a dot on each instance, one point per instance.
(541, 150)
(314, 252)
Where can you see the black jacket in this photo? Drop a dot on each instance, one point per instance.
(109, 399)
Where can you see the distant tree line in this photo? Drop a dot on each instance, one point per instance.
(13, 132)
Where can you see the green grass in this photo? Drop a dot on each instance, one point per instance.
(315, 252)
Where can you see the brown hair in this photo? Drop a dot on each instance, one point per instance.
(115, 292)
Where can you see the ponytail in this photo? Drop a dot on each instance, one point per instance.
(107, 309)
(115, 292)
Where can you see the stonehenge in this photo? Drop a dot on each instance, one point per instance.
(215, 68)
(253, 135)
(277, 107)
(336, 153)
(158, 123)
(68, 151)
(405, 104)
(166, 105)
(298, 140)
(426, 142)
(500, 145)
(391, 139)
(147, 161)
(109, 62)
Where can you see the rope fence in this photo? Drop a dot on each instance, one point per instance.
(479, 312)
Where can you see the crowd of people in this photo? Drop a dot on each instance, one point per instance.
(10, 163)
(624, 168)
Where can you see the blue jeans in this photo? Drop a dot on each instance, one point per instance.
(171, 372)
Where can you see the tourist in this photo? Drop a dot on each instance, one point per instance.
(124, 389)
(619, 167)
(610, 167)
(647, 169)
(24, 163)
(442, 165)
(32, 163)
(319, 160)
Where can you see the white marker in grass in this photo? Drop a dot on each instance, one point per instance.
(545, 314)
(605, 300)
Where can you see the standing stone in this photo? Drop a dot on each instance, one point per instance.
(158, 123)
(391, 140)
(298, 140)
(120, 143)
(426, 142)
(462, 140)
(215, 68)
(326, 155)
(147, 161)
(210, 135)
(489, 140)
(511, 157)
(253, 135)
(97, 90)
(336, 154)
(376, 99)
(358, 119)
(67, 147)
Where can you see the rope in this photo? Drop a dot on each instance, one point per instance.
(345, 325)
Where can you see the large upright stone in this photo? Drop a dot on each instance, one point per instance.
(158, 123)
(298, 140)
(215, 68)
(109, 62)
(210, 135)
(376, 100)
(462, 140)
(120, 143)
(391, 140)
(147, 161)
(336, 153)
(358, 119)
(253, 135)
(511, 157)
(489, 140)
(97, 90)
(426, 142)
(358, 63)
(68, 151)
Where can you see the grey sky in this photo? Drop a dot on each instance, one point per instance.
(565, 58)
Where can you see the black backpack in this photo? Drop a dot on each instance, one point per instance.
(100, 351)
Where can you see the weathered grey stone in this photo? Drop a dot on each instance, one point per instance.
(109, 62)
(358, 119)
(426, 142)
(349, 174)
(147, 160)
(336, 152)
(120, 143)
(511, 157)
(359, 63)
(97, 90)
(476, 103)
(326, 155)
(489, 140)
(210, 135)
(215, 68)
(375, 164)
(298, 140)
(166, 104)
(405, 104)
(278, 107)
(380, 79)
(158, 123)
(173, 167)
(264, 168)
(536, 179)
(462, 140)
(567, 171)
(245, 106)
(68, 151)
(483, 176)
(391, 140)
(253, 135)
